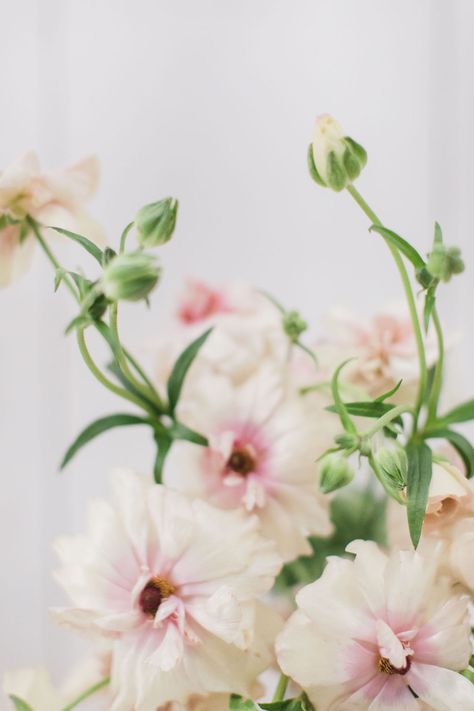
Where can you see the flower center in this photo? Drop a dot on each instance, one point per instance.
(387, 667)
(241, 461)
(155, 591)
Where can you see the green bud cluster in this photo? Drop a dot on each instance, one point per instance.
(443, 262)
(335, 472)
(334, 160)
(293, 325)
(393, 464)
(130, 277)
(155, 222)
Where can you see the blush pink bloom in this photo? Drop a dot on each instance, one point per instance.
(384, 633)
(264, 439)
(53, 198)
(174, 583)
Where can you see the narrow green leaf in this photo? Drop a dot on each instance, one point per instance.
(340, 407)
(365, 409)
(163, 442)
(238, 703)
(180, 369)
(389, 393)
(460, 413)
(418, 484)
(300, 703)
(99, 426)
(401, 244)
(430, 300)
(89, 246)
(19, 704)
(438, 235)
(180, 431)
(460, 443)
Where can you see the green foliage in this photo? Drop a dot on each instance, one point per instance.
(339, 405)
(89, 246)
(401, 244)
(355, 514)
(461, 413)
(460, 443)
(418, 484)
(19, 704)
(180, 369)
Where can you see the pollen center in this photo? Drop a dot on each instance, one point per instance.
(155, 591)
(241, 461)
(387, 667)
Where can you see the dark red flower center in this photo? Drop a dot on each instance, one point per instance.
(155, 591)
(241, 461)
(387, 667)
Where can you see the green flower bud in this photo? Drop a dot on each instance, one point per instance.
(130, 277)
(334, 160)
(335, 472)
(155, 222)
(444, 261)
(347, 440)
(293, 325)
(393, 464)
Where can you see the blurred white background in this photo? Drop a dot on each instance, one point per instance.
(212, 101)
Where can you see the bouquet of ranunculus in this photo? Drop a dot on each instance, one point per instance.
(304, 538)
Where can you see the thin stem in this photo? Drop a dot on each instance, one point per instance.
(88, 692)
(66, 279)
(147, 390)
(423, 374)
(438, 373)
(280, 691)
(124, 235)
(387, 418)
(97, 373)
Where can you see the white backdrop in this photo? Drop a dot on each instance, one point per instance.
(212, 101)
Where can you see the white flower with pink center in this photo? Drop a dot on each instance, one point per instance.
(264, 439)
(384, 633)
(53, 198)
(174, 582)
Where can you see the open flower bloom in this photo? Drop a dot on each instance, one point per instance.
(263, 442)
(247, 331)
(384, 633)
(174, 582)
(53, 198)
(384, 349)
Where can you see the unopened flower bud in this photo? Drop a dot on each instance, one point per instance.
(334, 160)
(155, 222)
(347, 440)
(444, 261)
(393, 464)
(335, 472)
(293, 325)
(130, 277)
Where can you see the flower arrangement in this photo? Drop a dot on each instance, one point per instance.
(308, 520)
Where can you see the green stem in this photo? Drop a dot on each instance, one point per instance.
(97, 373)
(387, 418)
(423, 375)
(88, 692)
(123, 237)
(280, 691)
(66, 279)
(438, 373)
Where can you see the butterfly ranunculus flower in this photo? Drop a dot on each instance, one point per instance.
(263, 442)
(385, 633)
(53, 198)
(174, 582)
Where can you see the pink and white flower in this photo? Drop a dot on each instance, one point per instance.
(53, 198)
(381, 633)
(174, 583)
(264, 439)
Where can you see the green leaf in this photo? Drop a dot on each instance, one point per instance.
(460, 443)
(365, 409)
(163, 442)
(401, 244)
(460, 413)
(7, 221)
(300, 703)
(238, 703)
(99, 426)
(389, 393)
(418, 484)
(180, 431)
(180, 369)
(339, 406)
(19, 704)
(438, 235)
(83, 241)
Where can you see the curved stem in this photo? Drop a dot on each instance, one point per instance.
(280, 691)
(423, 374)
(438, 373)
(88, 692)
(97, 373)
(387, 418)
(66, 279)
